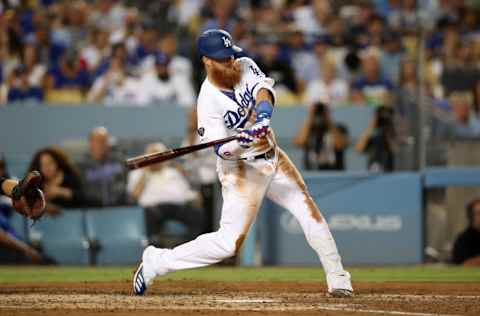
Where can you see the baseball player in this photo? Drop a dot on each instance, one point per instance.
(237, 98)
(27, 198)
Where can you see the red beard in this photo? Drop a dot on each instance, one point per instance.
(227, 77)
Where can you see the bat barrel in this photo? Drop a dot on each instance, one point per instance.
(133, 163)
(149, 159)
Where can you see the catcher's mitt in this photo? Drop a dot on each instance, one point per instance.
(27, 197)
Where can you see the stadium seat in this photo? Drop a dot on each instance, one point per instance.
(119, 232)
(75, 148)
(171, 234)
(175, 228)
(62, 237)
(355, 161)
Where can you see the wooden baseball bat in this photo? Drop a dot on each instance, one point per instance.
(150, 159)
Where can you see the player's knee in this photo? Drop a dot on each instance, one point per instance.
(230, 244)
(229, 250)
(236, 244)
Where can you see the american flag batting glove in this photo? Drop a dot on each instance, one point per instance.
(260, 129)
(246, 138)
(264, 111)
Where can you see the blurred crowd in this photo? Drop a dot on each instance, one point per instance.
(89, 51)
(143, 53)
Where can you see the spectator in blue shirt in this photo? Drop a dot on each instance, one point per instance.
(27, 21)
(20, 89)
(48, 51)
(120, 53)
(467, 123)
(370, 87)
(148, 46)
(68, 82)
(70, 73)
(103, 172)
(391, 57)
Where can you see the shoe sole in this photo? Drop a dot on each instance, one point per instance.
(135, 275)
(340, 293)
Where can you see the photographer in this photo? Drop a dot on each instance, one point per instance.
(466, 250)
(323, 141)
(377, 140)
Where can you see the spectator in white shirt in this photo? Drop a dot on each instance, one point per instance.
(116, 87)
(166, 88)
(329, 89)
(97, 50)
(165, 194)
(36, 70)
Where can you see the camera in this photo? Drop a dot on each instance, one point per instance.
(321, 117)
(384, 117)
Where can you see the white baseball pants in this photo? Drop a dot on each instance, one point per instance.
(244, 185)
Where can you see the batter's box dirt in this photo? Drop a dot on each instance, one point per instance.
(229, 298)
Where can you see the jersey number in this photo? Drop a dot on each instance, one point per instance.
(257, 71)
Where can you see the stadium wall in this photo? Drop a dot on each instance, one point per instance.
(27, 128)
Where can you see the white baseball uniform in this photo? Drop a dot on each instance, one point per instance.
(246, 179)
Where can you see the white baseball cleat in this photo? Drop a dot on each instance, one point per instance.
(339, 285)
(340, 293)
(139, 284)
(145, 273)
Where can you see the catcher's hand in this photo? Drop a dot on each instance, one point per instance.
(27, 197)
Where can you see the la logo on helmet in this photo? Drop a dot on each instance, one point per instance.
(226, 41)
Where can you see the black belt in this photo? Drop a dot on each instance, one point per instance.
(267, 155)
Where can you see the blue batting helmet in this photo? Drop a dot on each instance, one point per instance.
(216, 44)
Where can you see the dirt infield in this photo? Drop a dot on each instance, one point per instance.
(229, 298)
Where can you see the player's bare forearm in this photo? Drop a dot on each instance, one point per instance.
(362, 141)
(264, 95)
(302, 135)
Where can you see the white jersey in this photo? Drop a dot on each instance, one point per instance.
(221, 113)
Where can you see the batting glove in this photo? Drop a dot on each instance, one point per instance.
(260, 128)
(246, 138)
